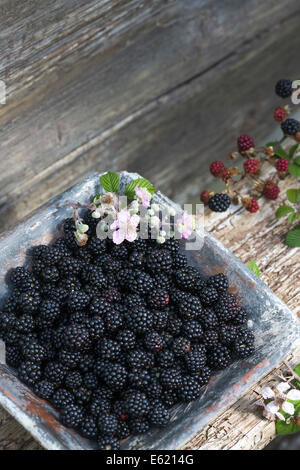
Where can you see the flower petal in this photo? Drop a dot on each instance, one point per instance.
(288, 408)
(293, 395)
(267, 392)
(118, 237)
(283, 387)
(272, 407)
(280, 416)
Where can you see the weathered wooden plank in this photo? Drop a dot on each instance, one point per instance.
(137, 85)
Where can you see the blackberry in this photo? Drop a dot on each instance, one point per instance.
(123, 430)
(179, 261)
(211, 339)
(44, 389)
(126, 340)
(169, 397)
(50, 291)
(75, 337)
(99, 306)
(79, 317)
(55, 373)
(153, 389)
(139, 425)
(95, 327)
(86, 363)
(73, 379)
(196, 359)
(133, 300)
(82, 395)
(72, 415)
(162, 281)
(192, 330)
(172, 245)
(174, 325)
(159, 260)
(69, 359)
(139, 378)
(109, 349)
(190, 389)
(158, 298)
(49, 312)
(70, 284)
(29, 301)
(137, 259)
(109, 264)
(218, 282)
(284, 88)
(243, 347)
(7, 320)
(227, 308)
(99, 407)
(90, 381)
(187, 278)
(240, 318)
(61, 398)
(113, 320)
(18, 275)
(49, 255)
(139, 320)
(108, 424)
(29, 372)
(181, 346)
(68, 266)
(140, 283)
(159, 415)
(103, 393)
(13, 356)
(245, 334)
(61, 247)
(78, 300)
(11, 337)
(115, 377)
(219, 202)
(25, 323)
(171, 379)
(219, 357)
(34, 352)
(190, 307)
(208, 295)
(228, 334)
(290, 126)
(140, 359)
(108, 443)
(204, 376)
(88, 427)
(97, 246)
(160, 319)
(50, 274)
(120, 251)
(137, 404)
(154, 342)
(209, 319)
(112, 295)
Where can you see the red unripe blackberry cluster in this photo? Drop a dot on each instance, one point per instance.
(280, 114)
(245, 142)
(217, 168)
(252, 206)
(251, 166)
(282, 164)
(271, 190)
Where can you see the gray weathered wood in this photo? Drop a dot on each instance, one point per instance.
(141, 85)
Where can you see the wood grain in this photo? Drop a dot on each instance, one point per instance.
(133, 85)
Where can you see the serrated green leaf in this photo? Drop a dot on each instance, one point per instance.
(283, 210)
(297, 371)
(142, 183)
(297, 161)
(294, 170)
(293, 238)
(253, 267)
(282, 427)
(293, 150)
(293, 195)
(292, 217)
(280, 152)
(110, 182)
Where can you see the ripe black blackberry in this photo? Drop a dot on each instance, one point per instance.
(61, 246)
(228, 334)
(190, 389)
(208, 295)
(171, 379)
(34, 352)
(25, 323)
(73, 379)
(72, 415)
(69, 359)
(140, 283)
(86, 363)
(108, 443)
(284, 88)
(78, 300)
(181, 346)
(13, 356)
(159, 415)
(109, 264)
(219, 357)
(103, 393)
(169, 397)
(55, 373)
(210, 339)
(209, 319)
(139, 320)
(95, 327)
(137, 404)
(139, 378)
(139, 425)
(290, 126)
(186, 278)
(113, 321)
(137, 259)
(90, 381)
(158, 298)
(76, 337)
(154, 342)
(99, 407)
(7, 320)
(133, 300)
(165, 359)
(126, 340)
(162, 281)
(88, 427)
(241, 318)
(69, 266)
(61, 398)
(123, 430)
(112, 295)
(190, 307)
(159, 261)
(140, 359)
(82, 395)
(49, 312)
(50, 274)
(171, 244)
(29, 372)
(219, 202)
(97, 246)
(174, 325)
(115, 377)
(227, 308)
(243, 347)
(53, 292)
(160, 319)
(192, 330)
(44, 389)
(109, 349)
(153, 389)
(11, 337)
(179, 261)
(29, 301)
(18, 275)
(196, 359)
(219, 282)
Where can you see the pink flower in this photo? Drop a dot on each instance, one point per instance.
(125, 227)
(185, 225)
(143, 195)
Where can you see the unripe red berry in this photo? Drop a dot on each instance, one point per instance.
(226, 176)
(217, 168)
(252, 206)
(271, 190)
(282, 164)
(245, 142)
(251, 166)
(280, 114)
(205, 196)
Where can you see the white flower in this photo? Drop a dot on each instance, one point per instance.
(96, 215)
(267, 392)
(160, 239)
(288, 408)
(143, 195)
(171, 211)
(125, 227)
(155, 207)
(271, 411)
(272, 407)
(283, 387)
(293, 395)
(82, 228)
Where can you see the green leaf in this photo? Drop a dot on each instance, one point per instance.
(280, 152)
(293, 237)
(292, 217)
(282, 427)
(142, 183)
(293, 195)
(294, 170)
(297, 161)
(297, 371)
(110, 182)
(283, 210)
(293, 150)
(271, 144)
(253, 267)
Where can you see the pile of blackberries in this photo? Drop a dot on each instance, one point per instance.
(115, 335)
